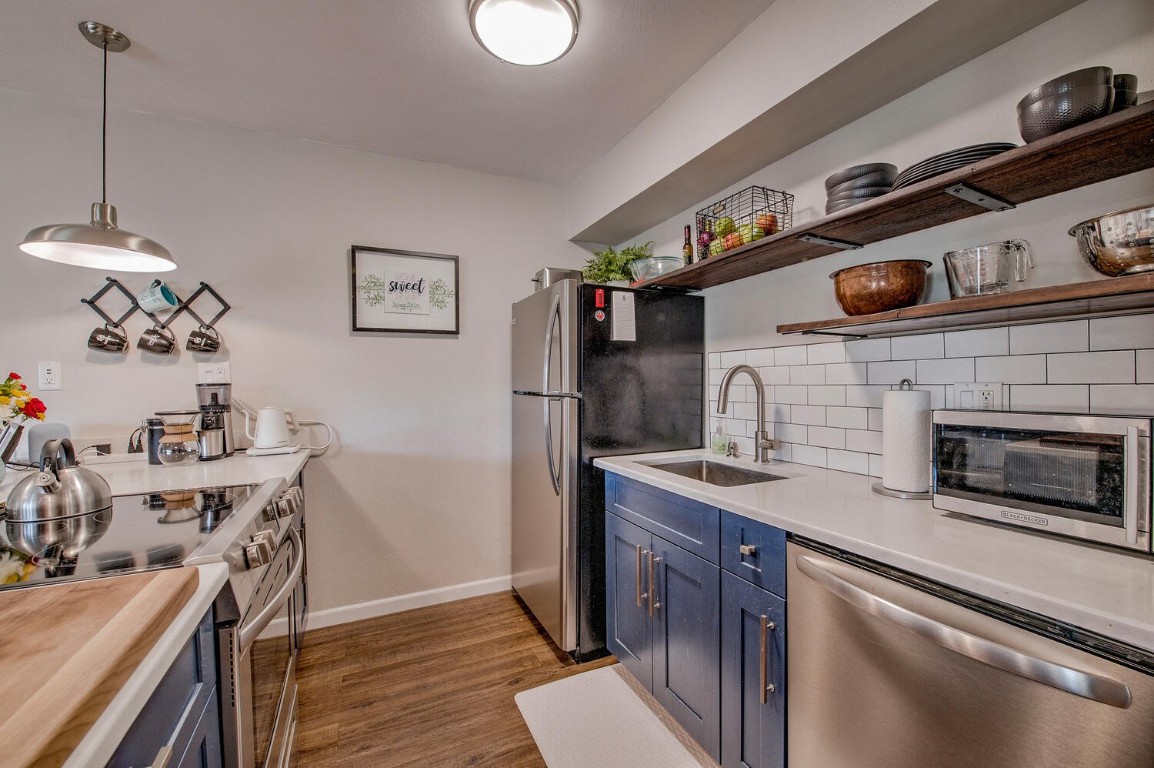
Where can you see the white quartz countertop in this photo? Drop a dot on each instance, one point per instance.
(1110, 592)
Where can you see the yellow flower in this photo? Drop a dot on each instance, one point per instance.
(3, 400)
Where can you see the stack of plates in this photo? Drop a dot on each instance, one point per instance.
(948, 161)
(857, 184)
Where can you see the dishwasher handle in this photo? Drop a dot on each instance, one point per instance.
(1078, 682)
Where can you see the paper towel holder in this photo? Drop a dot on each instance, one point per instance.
(881, 490)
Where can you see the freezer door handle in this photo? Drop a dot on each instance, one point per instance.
(1078, 682)
(554, 471)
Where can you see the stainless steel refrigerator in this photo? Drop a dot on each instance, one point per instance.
(597, 371)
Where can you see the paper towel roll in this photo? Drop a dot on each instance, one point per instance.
(906, 440)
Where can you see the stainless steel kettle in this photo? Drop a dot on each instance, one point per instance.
(61, 488)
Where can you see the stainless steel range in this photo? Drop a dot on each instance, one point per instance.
(258, 530)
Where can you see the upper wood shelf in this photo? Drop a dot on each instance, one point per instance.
(1098, 298)
(1103, 149)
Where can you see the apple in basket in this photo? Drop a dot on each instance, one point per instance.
(732, 240)
(767, 221)
(723, 227)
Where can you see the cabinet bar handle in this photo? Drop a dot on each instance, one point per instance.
(747, 549)
(767, 687)
(639, 595)
(162, 757)
(653, 584)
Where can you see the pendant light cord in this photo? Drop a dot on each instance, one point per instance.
(104, 132)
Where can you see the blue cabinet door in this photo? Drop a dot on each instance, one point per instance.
(686, 655)
(629, 630)
(754, 731)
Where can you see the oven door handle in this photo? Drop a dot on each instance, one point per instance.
(1131, 512)
(1076, 681)
(249, 632)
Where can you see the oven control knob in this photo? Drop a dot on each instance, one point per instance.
(260, 549)
(286, 506)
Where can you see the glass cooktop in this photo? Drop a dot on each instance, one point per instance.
(137, 533)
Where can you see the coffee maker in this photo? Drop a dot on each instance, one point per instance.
(215, 434)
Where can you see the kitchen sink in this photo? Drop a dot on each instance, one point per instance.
(716, 473)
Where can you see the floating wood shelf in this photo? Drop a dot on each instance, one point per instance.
(1099, 298)
(1112, 146)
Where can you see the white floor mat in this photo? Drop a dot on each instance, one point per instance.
(603, 718)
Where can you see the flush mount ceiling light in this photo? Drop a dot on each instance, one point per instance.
(526, 32)
(99, 244)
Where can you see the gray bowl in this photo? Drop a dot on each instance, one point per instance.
(1054, 114)
(862, 193)
(1078, 79)
(875, 179)
(858, 171)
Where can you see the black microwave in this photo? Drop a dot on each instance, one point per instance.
(1076, 475)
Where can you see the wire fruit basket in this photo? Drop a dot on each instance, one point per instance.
(741, 218)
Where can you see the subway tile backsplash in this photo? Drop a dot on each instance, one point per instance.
(823, 400)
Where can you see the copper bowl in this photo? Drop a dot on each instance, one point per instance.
(880, 286)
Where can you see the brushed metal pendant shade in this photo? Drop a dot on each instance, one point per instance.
(100, 244)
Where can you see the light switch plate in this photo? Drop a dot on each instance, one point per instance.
(981, 396)
(214, 373)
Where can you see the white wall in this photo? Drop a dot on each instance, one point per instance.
(415, 495)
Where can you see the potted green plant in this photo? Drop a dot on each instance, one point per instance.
(611, 266)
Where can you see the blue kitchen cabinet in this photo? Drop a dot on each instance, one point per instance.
(662, 601)
(752, 675)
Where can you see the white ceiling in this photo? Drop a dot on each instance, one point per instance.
(401, 77)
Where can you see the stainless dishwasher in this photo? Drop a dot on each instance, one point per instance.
(888, 670)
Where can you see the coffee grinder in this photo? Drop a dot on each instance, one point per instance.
(215, 435)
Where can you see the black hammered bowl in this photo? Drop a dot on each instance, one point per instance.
(855, 172)
(875, 179)
(1081, 78)
(1054, 114)
(862, 193)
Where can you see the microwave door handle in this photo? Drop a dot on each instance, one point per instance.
(1130, 507)
(1078, 682)
(249, 632)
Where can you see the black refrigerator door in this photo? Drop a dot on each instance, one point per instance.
(637, 396)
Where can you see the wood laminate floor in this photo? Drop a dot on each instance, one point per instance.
(429, 687)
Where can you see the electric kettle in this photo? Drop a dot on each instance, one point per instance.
(272, 429)
(61, 488)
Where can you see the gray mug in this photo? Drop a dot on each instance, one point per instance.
(158, 340)
(204, 339)
(108, 339)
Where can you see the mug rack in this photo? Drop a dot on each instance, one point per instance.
(183, 305)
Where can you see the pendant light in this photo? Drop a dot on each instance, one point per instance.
(100, 244)
(526, 32)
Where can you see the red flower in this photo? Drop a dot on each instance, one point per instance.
(13, 376)
(34, 409)
(23, 387)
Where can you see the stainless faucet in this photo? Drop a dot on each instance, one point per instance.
(762, 444)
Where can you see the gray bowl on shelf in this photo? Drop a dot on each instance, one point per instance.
(1053, 114)
(1090, 76)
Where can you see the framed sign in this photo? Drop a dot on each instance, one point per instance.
(404, 291)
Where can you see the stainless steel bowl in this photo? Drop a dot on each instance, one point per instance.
(1119, 243)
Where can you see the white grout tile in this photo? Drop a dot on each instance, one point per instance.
(1145, 372)
(848, 461)
(865, 396)
(714, 393)
(730, 359)
(777, 374)
(776, 412)
(807, 374)
(791, 395)
(1072, 336)
(827, 437)
(714, 359)
(791, 433)
(743, 410)
(867, 350)
(1129, 332)
(845, 373)
(1011, 369)
(813, 415)
(937, 394)
(891, 373)
(1091, 368)
(1128, 399)
(759, 358)
(819, 354)
(923, 347)
(783, 452)
(983, 341)
(808, 454)
(875, 417)
(949, 371)
(850, 418)
(716, 375)
(1059, 398)
(794, 355)
(875, 465)
(863, 440)
(828, 395)
(744, 445)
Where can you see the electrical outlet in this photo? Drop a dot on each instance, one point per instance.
(214, 373)
(48, 377)
(983, 396)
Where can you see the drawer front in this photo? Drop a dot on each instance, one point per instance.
(689, 524)
(753, 551)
